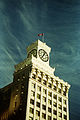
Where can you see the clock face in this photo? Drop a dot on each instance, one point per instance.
(43, 55)
(32, 52)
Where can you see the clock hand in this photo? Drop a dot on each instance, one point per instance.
(43, 54)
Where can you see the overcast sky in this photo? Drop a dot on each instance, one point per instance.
(59, 20)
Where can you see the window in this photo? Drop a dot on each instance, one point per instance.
(38, 96)
(22, 86)
(38, 104)
(49, 117)
(23, 76)
(60, 114)
(49, 102)
(31, 110)
(64, 108)
(60, 99)
(32, 101)
(46, 76)
(55, 96)
(44, 91)
(32, 93)
(54, 119)
(49, 85)
(44, 99)
(49, 109)
(15, 104)
(34, 76)
(64, 101)
(38, 88)
(37, 113)
(34, 71)
(50, 94)
(39, 79)
(30, 118)
(51, 80)
(59, 85)
(22, 92)
(54, 104)
(43, 115)
(54, 112)
(65, 117)
(64, 93)
(43, 107)
(18, 79)
(54, 87)
(33, 85)
(59, 90)
(44, 82)
(41, 73)
(59, 106)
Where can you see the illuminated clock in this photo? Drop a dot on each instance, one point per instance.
(43, 55)
(32, 52)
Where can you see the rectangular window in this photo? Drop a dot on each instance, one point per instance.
(65, 109)
(23, 76)
(15, 104)
(60, 106)
(54, 87)
(49, 85)
(31, 110)
(18, 79)
(64, 101)
(38, 88)
(60, 99)
(49, 117)
(49, 94)
(34, 71)
(49, 102)
(37, 113)
(49, 109)
(59, 90)
(43, 107)
(38, 104)
(46, 76)
(44, 99)
(32, 101)
(34, 76)
(43, 115)
(60, 114)
(38, 96)
(64, 93)
(33, 85)
(44, 91)
(39, 79)
(55, 96)
(54, 104)
(44, 82)
(51, 80)
(30, 118)
(65, 117)
(54, 119)
(54, 112)
(32, 93)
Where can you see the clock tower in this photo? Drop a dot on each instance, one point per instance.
(39, 50)
(35, 93)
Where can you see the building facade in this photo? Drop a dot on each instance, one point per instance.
(35, 93)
